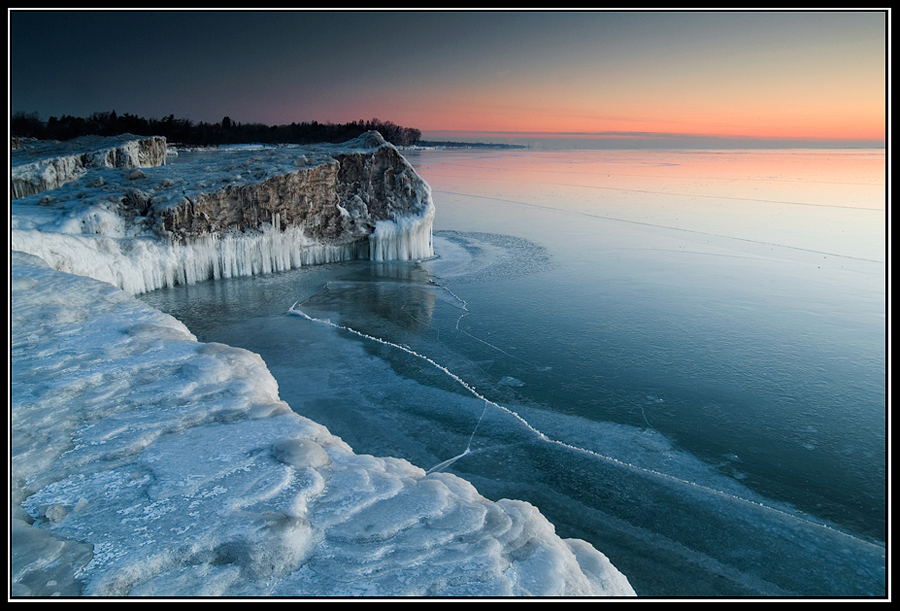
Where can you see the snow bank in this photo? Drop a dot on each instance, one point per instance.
(225, 213)
(146, 463)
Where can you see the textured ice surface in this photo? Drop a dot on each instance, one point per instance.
(147, 463)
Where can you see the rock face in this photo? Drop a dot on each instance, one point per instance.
(337, 196)
(38, 166)
(226, 213)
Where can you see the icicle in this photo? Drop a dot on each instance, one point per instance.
(404, 239)
(143, 264)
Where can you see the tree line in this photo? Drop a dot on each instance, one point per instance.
(185, 132)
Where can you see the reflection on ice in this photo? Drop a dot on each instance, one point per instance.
(398, 294)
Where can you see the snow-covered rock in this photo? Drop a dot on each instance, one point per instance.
(37, 165)
(146, 463)
(232, 212)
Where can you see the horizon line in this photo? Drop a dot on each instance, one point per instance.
(619, 139)
(637, 135)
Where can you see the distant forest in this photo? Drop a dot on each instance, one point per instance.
(185, 132)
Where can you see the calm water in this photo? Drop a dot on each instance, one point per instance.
(678, 356)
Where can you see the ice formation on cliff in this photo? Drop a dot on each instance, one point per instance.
(41, 165)
(230, 213)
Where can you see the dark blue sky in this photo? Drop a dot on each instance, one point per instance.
(782, 74)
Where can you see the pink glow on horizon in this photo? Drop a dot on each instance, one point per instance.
(773, 118)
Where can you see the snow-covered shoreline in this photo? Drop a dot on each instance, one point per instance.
(146, 463)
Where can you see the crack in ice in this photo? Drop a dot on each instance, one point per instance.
(296, 311)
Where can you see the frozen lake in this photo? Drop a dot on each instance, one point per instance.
(677, 356)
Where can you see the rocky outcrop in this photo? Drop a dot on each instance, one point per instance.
(38, 166)
(230, 212)
(337, 195)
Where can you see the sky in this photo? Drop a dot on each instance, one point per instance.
(623, 75)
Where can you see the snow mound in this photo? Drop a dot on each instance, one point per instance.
(146, 463)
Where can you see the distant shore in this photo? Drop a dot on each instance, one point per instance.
(466, 145)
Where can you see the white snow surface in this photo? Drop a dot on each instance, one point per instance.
(146, 463)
